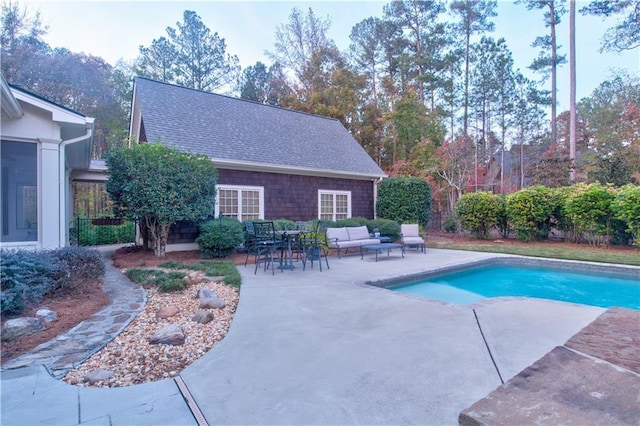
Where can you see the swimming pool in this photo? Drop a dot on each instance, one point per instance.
(595, 288)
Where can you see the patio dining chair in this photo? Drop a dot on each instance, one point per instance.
(266, 245)
(249, 240)
(411, 237)
(316, 247)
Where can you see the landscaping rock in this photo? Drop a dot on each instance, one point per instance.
(211, 303)
(96, 376)
(205, 293)
(169, 335)
(167, 312)
(46, 316)
(195, 277)
(203, 317)
(17, 327)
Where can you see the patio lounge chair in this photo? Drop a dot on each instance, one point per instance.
(411, 237)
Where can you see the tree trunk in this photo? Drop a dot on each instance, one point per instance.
(466, 87)
(572, 88)
(160, 248)
(552, 24)
(521, 161)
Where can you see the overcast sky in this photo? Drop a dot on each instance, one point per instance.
(114, 30)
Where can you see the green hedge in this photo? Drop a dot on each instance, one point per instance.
(404, 200)
(592, 212)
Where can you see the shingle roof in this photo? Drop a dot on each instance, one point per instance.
(236, 130)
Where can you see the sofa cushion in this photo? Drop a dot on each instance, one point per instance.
(356, 243)
(358, 233)
(410, 230)
(412, 240)
(339, 234)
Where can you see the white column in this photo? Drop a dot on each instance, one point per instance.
(49, 208)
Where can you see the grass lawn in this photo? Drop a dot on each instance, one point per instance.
(554, 250)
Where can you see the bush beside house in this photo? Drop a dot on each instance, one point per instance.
(26, 276)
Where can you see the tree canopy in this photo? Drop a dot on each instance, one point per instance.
(158, 186)
(422, 87)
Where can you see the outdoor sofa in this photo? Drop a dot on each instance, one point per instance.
(349, 237)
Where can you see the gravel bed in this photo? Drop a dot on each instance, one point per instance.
(131, 357)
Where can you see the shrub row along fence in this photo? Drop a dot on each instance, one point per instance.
(101, 231)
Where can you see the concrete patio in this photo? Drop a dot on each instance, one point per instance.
(311, 347)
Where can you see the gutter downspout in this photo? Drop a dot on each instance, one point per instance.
(375, 195)
(62, 181)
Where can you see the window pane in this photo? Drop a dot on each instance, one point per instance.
(342, 206)
(250, 205)
(19, 192)
(326, 206)
(228, 201)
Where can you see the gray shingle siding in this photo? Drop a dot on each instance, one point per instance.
(235, 130)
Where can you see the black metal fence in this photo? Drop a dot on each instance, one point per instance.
(435, 222)
(101, 231)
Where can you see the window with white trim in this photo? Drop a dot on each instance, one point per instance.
(334, 205)
(242, 202)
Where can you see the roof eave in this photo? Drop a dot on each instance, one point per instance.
(274, 168)
(10, 104)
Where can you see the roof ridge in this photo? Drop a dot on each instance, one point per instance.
(237, 99)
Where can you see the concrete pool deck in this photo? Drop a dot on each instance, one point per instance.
(311, 347)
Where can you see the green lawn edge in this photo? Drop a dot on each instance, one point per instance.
(586, 254)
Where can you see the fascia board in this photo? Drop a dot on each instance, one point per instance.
(273, 168)
(58, 114)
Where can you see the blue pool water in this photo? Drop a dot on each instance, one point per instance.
(475, 284)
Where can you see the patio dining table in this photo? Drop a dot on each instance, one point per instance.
(288, 235)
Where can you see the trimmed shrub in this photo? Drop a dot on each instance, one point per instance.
(530, 212)
(219, 237)
(353, 221)
(560, 220)
(589, 209)
(26, 276)
(388, 228)
(479, 212)
(404, 200)
(626, 208)
(284, 224)
(80, 264)
(503, 220)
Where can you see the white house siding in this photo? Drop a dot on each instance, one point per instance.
(42, 124)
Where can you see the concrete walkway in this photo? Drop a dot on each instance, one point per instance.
(311, 347)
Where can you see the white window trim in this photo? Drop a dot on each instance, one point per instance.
(334, 192)
(240, 188)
